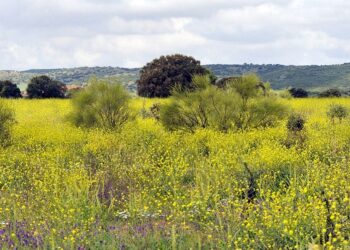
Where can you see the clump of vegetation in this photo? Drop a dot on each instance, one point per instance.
(337, 111)
(295, 126)
(284, 94)
(101, 104)
(243, 104)
(9, 90)
(152, 112)
(331, 93)
(7, 119)
(206, 107)
(155, 111)
(45, 87)
(298, 93)
(158, 77)
(295, 123)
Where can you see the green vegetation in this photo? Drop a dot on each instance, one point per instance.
(312, 78)
(331, 93)
(160, 76)
(101, 104)
(337, 111)
(240, 106)
(45, 87)
(6, 121)
(298, 93)
(9, 90)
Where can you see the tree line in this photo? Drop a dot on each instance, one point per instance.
(157, 79)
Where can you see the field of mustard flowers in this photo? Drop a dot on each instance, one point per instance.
(62, 187)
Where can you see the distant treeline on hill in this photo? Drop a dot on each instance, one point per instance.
(312, 78)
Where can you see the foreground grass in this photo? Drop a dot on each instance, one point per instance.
(63, 187)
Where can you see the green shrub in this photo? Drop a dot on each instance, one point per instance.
(265, 112)
(331, 93)
(236, 107)
(337, 111)
(101, 104)
(6, 121)
(295, 123)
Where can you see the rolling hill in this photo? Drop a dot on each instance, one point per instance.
(311, 77)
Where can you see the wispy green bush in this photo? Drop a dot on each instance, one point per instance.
(244, 104)
(101, 104)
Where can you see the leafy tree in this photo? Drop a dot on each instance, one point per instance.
(337, 111)
(330, 93)
(101, 104)
(45, 87)
(158, 77)
(298, 93)
(6, 121)
(9, 90)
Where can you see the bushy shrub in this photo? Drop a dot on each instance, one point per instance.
(295, 123)
(238, 106)
(296, 134)
(158, 77)
(284, 94)
(298, 93)
(337, 111)
(330, 93)
(9, 90)
(45, 87)
(6, 121)
(101, 104)
(264, 112)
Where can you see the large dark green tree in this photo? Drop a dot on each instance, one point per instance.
(45, 87)
(158, 78)
(9, 90)
(298, 93)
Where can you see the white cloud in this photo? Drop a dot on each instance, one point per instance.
(129, 33)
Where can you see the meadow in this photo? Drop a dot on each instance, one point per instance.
(63, 187)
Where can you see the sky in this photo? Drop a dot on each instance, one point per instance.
(130, 33)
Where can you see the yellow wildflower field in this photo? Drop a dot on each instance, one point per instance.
(143, 187)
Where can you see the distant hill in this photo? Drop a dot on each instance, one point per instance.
(74, 75)
(311, 77)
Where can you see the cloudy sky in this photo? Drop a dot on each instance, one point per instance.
(129, 33)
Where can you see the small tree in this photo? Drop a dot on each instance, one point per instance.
(337, 111)
(101, 104)
(158, 77)
(298, 93)
(9, 90)
(6, 121)
(330, 93)
(45, 87)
